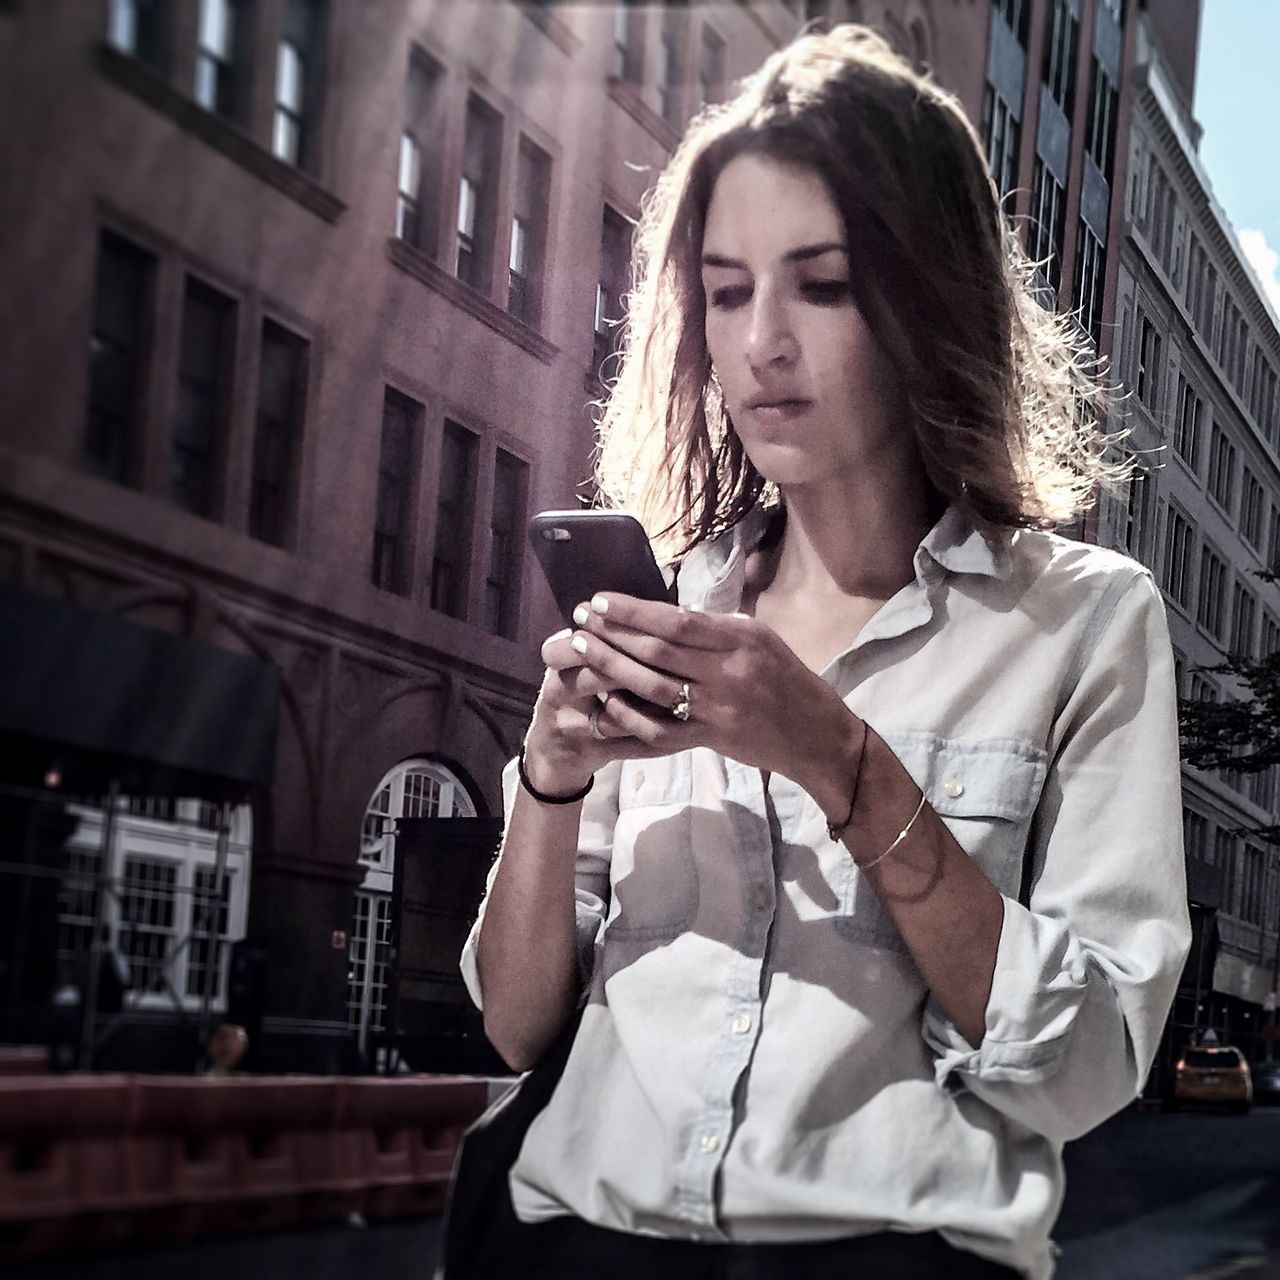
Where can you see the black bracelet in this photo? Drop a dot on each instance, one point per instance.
(543, 797)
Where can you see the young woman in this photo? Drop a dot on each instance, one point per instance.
(877, 897)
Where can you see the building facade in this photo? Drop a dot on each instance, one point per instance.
(1198, 353)
(304, 315)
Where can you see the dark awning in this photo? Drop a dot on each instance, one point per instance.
(114, 689)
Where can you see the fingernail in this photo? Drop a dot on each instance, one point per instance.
(560, 635)
(599, 604)
(579, 644)
(580, 615)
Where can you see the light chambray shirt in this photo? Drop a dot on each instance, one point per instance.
(759, 1059)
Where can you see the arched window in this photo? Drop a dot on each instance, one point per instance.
(413, 789)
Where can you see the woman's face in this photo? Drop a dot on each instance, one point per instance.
(811, 393)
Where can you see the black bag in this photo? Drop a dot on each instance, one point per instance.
(481, 1234)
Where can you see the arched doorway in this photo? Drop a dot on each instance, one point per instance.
(414, 789)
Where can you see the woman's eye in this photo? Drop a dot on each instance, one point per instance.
(825, 292)
(730, 296)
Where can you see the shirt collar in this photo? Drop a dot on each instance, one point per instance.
(714, 573)
(959, 548)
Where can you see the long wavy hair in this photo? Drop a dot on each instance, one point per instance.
(1004, 397)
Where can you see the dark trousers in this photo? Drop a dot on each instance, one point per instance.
(569, 1249)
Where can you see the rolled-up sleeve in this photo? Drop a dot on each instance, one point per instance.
(591, 873)
(1085, 974)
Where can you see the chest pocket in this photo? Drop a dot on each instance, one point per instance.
(653, 877)
(984, 790)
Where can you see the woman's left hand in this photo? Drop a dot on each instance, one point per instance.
(750, 697)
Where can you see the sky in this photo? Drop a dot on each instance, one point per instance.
(1238, 105)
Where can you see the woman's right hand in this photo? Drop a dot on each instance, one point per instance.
(561, 752)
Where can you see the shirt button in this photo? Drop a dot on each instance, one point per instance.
(760, 896)
(709, 1144)
(953, 788)
(742, 1024)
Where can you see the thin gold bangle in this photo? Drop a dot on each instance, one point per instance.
(897, 840)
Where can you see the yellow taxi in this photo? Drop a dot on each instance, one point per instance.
(1213, 1074)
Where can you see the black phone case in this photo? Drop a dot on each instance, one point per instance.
(582, 552)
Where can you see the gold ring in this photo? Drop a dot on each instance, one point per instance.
(593, 723)
(680, 709)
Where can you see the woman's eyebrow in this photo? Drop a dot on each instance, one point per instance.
(801, 254)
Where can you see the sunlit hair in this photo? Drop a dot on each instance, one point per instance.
(1002, 395)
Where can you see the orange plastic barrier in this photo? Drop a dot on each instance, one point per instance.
(90, 1161)
(24, 1060)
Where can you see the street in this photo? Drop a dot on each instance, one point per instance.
(1172, 1197)
(1150, 1197)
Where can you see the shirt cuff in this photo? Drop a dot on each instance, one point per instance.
(1037, 988)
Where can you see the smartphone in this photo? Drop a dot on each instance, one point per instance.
(582, 552)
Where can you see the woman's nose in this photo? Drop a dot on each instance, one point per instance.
(770, 340)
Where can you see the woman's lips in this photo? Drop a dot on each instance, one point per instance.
(780, 411)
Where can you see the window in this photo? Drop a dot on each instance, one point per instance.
(219, 57)
(628, 42)
(1048, 223)
(418, 158)
(1228, 335)
(1195, 834)
(1201, 286)
(1222, 469)
(1059, 67)
(1244, 613)
(1213, 579)
(413, 789)
(1270, 639)
(138, 28)
(1253, 883)
(204, 393)
(1178, 549)
(1240, 355)
(1252, 503)
(477, 193)
(1015, 14)
(670, 62)
(711, 70)
(281, 390)
(165, 909)
(1000, 134)
(1203, 689)
(1161, 211)
(1101, 129)
(528, 233)
(1148, 364)
(1091, 268)
(611, 286)
(506, 527)
(1262, 395)
(455, 501)
(1224, 850)
(1186, 436)
(400, 423)
(1135, 511)
(1273, 537)
(297, 84)
(1206, 296)
(117, 346)
(210, 914)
